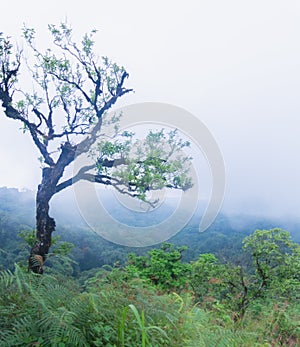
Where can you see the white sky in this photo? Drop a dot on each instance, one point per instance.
(233, 64)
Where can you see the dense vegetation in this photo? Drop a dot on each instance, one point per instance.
(240, 289)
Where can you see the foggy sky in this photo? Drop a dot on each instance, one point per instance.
(233, 64)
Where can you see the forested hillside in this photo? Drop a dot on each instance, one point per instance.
(223, 238)
(229, 286)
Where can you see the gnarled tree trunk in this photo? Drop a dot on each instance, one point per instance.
(45, 225)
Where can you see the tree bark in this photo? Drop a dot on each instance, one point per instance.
(45, 225)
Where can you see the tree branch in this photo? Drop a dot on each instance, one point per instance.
(12, 113)
(84, 145)
(82, 174)
(75, 84)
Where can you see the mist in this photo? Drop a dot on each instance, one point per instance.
(232, 64)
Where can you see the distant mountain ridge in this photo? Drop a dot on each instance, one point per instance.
(17, 212)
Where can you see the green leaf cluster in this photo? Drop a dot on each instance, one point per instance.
(155, 162)
(162, 267)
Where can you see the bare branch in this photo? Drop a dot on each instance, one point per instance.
(12, 113)
(40, 116)
(85, 145)
(75, 84)
(82, 174)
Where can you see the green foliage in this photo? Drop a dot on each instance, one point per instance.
(162, 267)
(9, 62)
(44, 315)
(138, 166)
(207, 278)
(115, 306)
(140, 320)
(274, 273)
(116, 309)
(29, 236)
(47, 312)
(276, 260)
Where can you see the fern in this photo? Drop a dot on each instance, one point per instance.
(48, 311)
(6, 278)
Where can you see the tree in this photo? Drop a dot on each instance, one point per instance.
(72, 91)
(273, 272)
(275, 262)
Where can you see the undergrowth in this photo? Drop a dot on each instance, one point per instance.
(111, 311)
